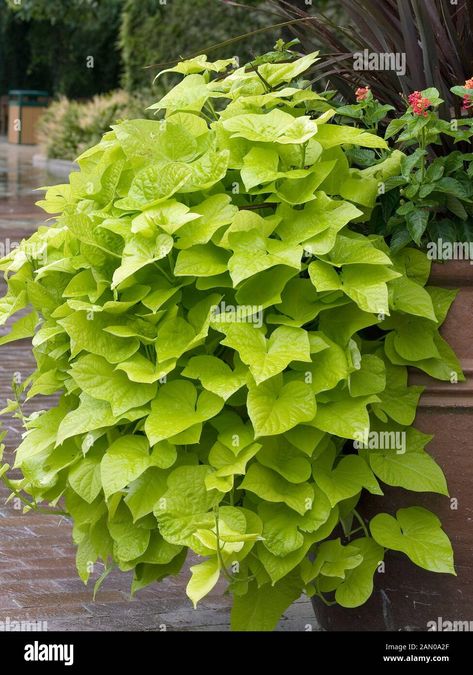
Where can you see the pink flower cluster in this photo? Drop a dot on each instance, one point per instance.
(468, 98)
(361, 93)
(419, 103)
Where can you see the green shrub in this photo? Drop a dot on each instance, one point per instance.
(153, 32)
(67, 128)
(231, 355)
(430, 199)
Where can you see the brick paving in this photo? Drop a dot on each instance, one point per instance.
(38, 580)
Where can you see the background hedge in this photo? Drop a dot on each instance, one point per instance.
(155, 33)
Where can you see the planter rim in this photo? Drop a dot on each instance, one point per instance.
(452, 273)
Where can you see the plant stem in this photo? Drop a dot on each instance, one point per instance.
(352, 532)
(362, 522)
(251, 207)
(164, 273)
(266, 84)
(328, 603)
(422, 145)
(226, 573)
(32, 505)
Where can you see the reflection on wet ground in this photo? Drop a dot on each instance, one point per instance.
(18, 182)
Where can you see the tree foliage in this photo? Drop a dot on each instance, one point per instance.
(65, 47)
(154, 33)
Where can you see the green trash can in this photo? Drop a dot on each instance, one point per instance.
(25, 107)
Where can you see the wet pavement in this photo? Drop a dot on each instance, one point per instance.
(38, 579)
(18, 181)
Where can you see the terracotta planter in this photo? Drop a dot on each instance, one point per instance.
(405, 596)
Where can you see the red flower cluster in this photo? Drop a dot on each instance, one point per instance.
(468, 98)
(361, 93)
(419, 103)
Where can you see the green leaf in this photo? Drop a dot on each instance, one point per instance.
(285, 459)
(335, 560)
(201, 261)
(275, 407)
(279, 567)
(187, 505)
(398, 400)
(280, 532)
(347, 417)
(139, 369)
(130, 542)
(355, 249)
(155, 184)
(190, 95)
(214, 212)
(139, 252)
(159, 551)
(318, 216)
(168, 216)
(442, 368)
(85, 478)
(125, 460)
(275, 126)
(413, 339)
(366, 285)
(417, 221)
(350, 476)
(273, 488)
(177, 408)
(254, 253)
(417, 533)
(204, 577)
(87, 332)
(357, 586)
(227, 465)
(99, 379)
(324, 277)
(370, 378)
(261, 608)
(409, 466)
(330, 136)
(23, 328)
(145, 491)
(147, 574)
(328, 367)
(408, 296)
(276, 73)
(90, 414)
(215, 375)
(266, 358)
(259, 166)
(301, 189)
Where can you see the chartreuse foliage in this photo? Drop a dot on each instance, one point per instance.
(226, 429)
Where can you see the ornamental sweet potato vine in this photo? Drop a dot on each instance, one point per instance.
(218, 337)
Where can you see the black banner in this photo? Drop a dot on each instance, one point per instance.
(77, 651)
